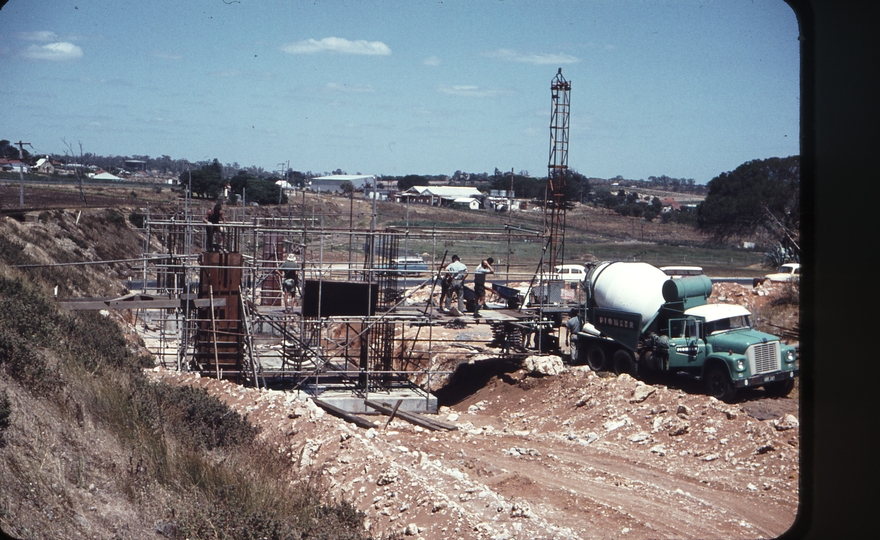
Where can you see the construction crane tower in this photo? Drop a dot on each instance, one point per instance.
(557, 168)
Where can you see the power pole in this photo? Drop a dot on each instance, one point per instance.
(21, 170)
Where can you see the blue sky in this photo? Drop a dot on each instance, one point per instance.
(689, 89)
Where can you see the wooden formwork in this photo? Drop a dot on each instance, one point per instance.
(220, 335)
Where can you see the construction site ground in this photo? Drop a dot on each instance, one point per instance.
(544, 449)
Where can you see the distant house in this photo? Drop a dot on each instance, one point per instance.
(13, 165)
(334, 182)
(440, 195)
(669, 204)
(468, 203)
(44, 166)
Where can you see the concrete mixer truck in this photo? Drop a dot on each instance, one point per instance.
(638, 320)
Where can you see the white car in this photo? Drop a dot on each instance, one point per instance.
(787, 272)
(682, 271)
(569, 272)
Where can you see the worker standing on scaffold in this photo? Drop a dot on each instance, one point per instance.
(214, 218)
(289, 271)
(458, 272)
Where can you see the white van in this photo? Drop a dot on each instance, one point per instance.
(569, 272)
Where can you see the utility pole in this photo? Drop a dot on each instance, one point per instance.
(21, 170)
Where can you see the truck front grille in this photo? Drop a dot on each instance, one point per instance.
(764, 357)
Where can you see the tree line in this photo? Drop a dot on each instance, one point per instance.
(760, 198)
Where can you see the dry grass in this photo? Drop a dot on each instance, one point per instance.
(93, 449)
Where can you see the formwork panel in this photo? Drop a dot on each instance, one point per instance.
(220, 334)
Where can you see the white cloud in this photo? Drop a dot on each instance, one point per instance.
(432, 61)
(468, 91)
(54, 51)
(338, 45)
(350, 88)
(509, 55)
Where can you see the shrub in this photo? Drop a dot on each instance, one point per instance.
(94, 340)
(191, 415)
(28, 368)
(778, 255)
(12, 252)
(114, 217)
(137, 219)
(250, 508)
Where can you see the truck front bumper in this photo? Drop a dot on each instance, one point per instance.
(764, 378)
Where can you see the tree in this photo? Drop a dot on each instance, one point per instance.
(256, 189)
(207, 181)
(577, 186)
(10, 150)
(411, 180)
(758, 196)
(346, 187)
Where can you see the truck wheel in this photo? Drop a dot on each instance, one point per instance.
(595, 357)
(718, 384)
(779, 388)
(623, 362)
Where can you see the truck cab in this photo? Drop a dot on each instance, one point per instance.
(717, 342)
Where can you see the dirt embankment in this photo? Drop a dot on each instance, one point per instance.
(575, 455)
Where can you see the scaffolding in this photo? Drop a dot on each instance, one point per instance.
(353, 329)
(557, 167)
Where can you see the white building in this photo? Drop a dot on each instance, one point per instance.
(441, 195)
(334, 182)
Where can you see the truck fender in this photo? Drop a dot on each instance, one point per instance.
(715, 360)
(717, 380)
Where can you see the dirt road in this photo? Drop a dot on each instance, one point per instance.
(575, 455)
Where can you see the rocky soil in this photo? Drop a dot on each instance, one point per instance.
(572, 454)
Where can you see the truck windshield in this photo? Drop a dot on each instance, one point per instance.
(730, 323)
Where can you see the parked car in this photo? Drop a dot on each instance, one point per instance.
(788, 272)
(569, 272)
(405, 266)
(682, 271)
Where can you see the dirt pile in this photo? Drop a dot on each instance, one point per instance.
(577, 455)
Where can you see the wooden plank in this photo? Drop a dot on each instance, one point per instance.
(156, 303)
(345, 415)
(413, 418)
(393, 412)
(440, 423)
(83, 304)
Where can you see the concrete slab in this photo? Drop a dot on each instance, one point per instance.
(353, 403)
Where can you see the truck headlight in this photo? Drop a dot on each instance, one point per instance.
(789, 356)
(740, 365)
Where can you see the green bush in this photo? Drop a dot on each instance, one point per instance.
(93, 341)
(28, 322)
(12, 253)
(191, 416)
(113, 216)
